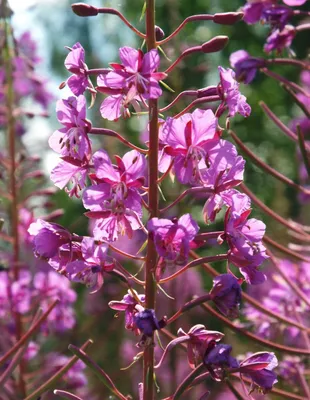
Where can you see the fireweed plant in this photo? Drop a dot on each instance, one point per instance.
(35, 301)
(122, 196)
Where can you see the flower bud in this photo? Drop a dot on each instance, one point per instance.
(159, 33)
(84, 10)
(226, 294)
(215, 44)
(228, 18)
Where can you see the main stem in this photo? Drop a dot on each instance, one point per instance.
(151, 257)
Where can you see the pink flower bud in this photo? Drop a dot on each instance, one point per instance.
(84, 10)
(215, 44)
(228, 18)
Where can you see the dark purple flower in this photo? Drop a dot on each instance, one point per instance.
(259, 368)
(280, 39)
(219, 356)
(244, 238)
(128, 304)
(230, 94)
(226, 294)
(187, 139)
(277, 16)
(172, 238)
(146, 322)
(75, 63)
(72, 140)
(48, 238)
(245, 66)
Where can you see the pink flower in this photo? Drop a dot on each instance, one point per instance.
(89, 268)
(294, 3)
(172, 238)
(198, 339)
(280, 39)
(230, 94)
(128, 304)
(48, 238)
(70, 170)
(75, 63)
(225, 171)
(72, 140)
(188, 139)
(244, 238)
(115, 202)
(134, 80)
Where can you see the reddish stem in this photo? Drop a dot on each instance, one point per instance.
(194, 103)
(218, 257)
(179, 97)
(271, 213)
(255, 338)
(288, 61)
(211, 271)
(108, 10)
(198, 17)
(281, 79)
(285, 250)
(266, 167)
(28, 334)
(299, 293)
(280, 124)
(151, 257)
(109, 132)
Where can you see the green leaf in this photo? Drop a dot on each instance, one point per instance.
(143, 11)
(167, 87)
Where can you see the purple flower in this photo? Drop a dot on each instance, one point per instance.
(72, 140)
(128, 304)
(75, 377)
(50, 286)
(225, 171)
(146, 321)
(244, 238)
(277, 16)
(254, 9)
(28, 48)
(245, 66)
(217, 357)
(198, 340)
(134, 80)
(187, 139)
(259, 368)
(73, 171)
(115, 203)
(172, 238)
(226, 294)
(230, 94)
(48, 238)
(75, 63)
(280, 39)
(89, 269)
